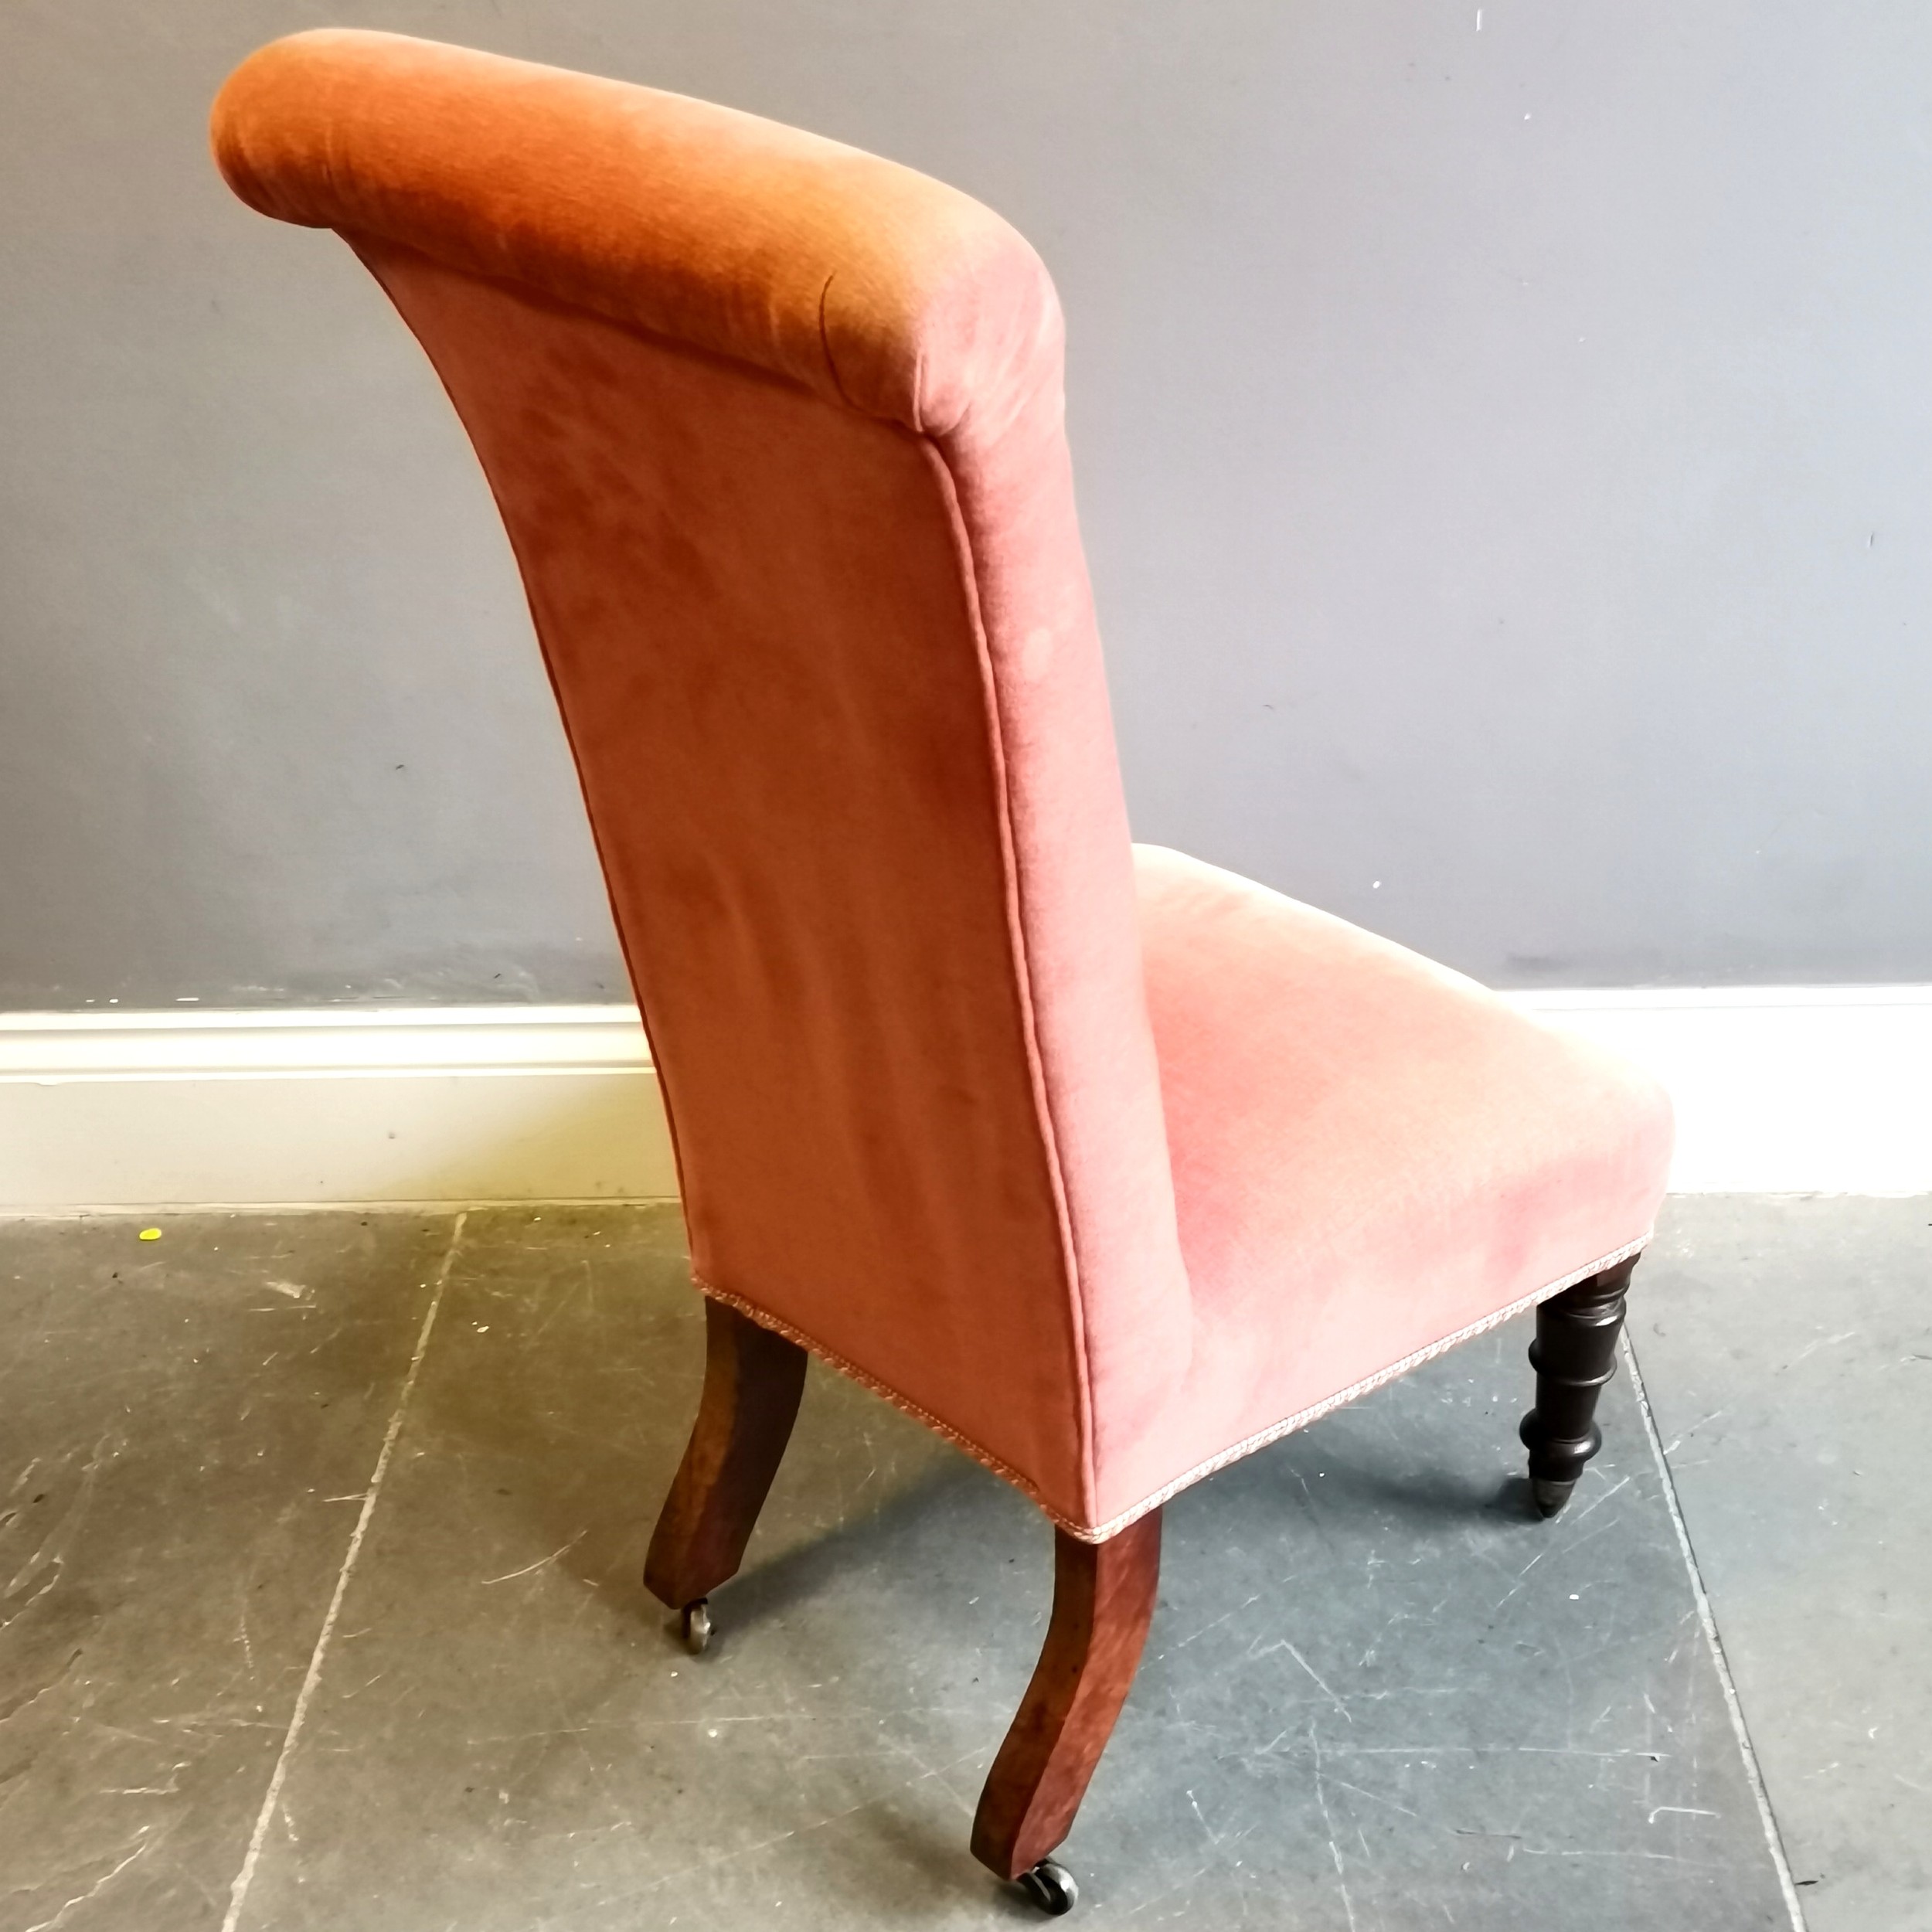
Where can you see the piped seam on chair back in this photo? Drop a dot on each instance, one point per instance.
(1023, 984)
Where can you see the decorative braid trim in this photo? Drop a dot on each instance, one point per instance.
(1247, 1445)
(831, 1356)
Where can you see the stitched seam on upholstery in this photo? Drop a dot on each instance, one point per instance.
(1245, 1447)
(1302, 1417)
(825, 343)
(1022, 977)
(765, 1319)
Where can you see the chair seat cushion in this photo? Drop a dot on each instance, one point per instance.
(1372, 1157)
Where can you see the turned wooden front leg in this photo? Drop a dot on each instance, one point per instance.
(752, 1379)
(1102, 1600)
(1574, 1355)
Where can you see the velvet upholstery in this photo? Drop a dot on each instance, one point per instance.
(1105, 1163)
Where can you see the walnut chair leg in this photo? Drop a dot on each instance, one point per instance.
(1102, 1600)
(752, 1379)
(1574, 1355)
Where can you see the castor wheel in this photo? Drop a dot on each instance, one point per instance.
(1550, 1496)
(694, 1625)
(1051, 1887)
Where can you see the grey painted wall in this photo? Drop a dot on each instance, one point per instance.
(1506, 458)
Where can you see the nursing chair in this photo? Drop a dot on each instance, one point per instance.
(1109, 1166)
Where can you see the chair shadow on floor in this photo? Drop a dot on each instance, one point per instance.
(560, 1394)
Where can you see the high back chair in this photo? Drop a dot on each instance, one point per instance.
(1108, 1165)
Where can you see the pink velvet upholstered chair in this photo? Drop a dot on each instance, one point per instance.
(1110, 1166)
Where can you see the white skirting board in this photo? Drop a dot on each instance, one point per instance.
(1779, 1089)
(1820, 1089)
(335, 1104)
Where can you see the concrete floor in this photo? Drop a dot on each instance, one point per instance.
(319, 1543)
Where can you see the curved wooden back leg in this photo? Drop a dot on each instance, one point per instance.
(1102, 1600)
(1574, 1355)
(752, 1379)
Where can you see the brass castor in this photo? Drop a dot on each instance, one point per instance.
(694, 1625)
(1051, 1887)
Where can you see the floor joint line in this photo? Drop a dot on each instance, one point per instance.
(1754, 1772)
(238, 1891)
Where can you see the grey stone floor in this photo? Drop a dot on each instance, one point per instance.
(319, 1540)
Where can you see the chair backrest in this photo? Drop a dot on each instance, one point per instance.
(776, 429)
